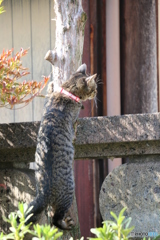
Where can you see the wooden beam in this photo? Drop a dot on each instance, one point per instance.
(97, 137)
(138, 56)
(158, 49)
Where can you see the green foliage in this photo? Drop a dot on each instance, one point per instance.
(114, 230)
(18, 231)
(82, 238)
(13, 92)
(46, 232)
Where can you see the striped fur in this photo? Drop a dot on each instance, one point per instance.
(55, 152)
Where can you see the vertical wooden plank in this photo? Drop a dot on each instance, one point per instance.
(101, 56)
(138, 56)
(84, 169)
(100, 165)
(93, 7)
(22, 38)
(93, 171)
(52, 18)
(52, 24)
(6, 26)
(40, 23)
(6, 42)
(113, 66)
(158, 50)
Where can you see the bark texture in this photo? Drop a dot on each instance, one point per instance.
(67, 54)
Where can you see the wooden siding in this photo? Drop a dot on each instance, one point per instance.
(28, 24)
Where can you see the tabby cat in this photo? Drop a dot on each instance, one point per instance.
(55, 152)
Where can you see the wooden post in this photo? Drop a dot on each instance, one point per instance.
(138, 56)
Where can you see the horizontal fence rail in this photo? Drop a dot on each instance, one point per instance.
(117, 136)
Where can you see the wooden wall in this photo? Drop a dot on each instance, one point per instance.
(28, 24)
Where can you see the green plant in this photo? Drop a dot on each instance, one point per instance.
(114, 230)
(46, 232)
(18, 231)
(1, 7)
(13, 92)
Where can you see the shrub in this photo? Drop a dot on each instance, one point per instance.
(11, 91)
(18, 231)
(111, 230)
(1, 7)
(114, 230)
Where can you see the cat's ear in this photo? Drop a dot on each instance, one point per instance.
(82, 69)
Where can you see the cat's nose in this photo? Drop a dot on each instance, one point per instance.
(90, 78)
(94, 76)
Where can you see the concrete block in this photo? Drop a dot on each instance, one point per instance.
(98, 137)
(135, 185)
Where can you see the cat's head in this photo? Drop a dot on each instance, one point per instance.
(81, 85)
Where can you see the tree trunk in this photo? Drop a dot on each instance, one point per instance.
(66, 58)
(67, 55)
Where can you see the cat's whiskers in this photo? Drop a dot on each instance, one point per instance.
(93, 105)
(95, 101)
(99, 81)
(98, 99)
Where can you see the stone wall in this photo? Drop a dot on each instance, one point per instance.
(134, 185)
